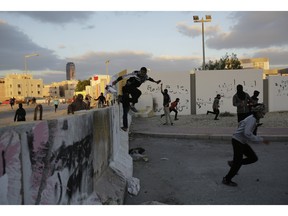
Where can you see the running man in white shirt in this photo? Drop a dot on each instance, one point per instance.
(241, 140)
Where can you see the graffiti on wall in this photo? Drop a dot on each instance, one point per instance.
(53, 175)
(60, 171)
(227, 91)
(281, 88)
(10, 168)
(175, 91)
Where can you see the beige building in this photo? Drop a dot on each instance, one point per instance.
(255, 63)
(2, 89)
(64, 89)
(262, 63)
(22, 85)
(98, 84)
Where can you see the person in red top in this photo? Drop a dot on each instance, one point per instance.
(173, 107)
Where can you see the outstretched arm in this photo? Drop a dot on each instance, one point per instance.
(152, 80)
(123, 77)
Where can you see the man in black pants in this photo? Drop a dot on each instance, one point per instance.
(215, 106)
(240, 139)
(135, 79)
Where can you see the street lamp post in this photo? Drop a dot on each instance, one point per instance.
(197, 20)
(28, 56)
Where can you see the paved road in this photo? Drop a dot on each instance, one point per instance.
(7, 114)
(189, 172)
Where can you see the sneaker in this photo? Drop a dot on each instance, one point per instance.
(124, 128)
(176, 119)
(172, 124)
(165, 124)
(216, 119)
(133, 108)
(229, 182)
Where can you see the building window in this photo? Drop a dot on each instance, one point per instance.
(38, 92)
(19, 86)
(38, 86)
(19, 93)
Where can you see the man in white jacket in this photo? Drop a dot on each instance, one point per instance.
(241, 140)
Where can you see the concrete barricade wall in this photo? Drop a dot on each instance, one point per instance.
(278, 93)
(212, 82)
(70, 160)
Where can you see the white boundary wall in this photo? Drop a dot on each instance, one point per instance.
(178, 85)
(278, 93)
(224, 82)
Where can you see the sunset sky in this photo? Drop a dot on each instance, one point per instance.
(160, 37)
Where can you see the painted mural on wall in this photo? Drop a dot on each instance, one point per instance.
(66, 165)
(223, 82)
(57, 160)
(10, 169)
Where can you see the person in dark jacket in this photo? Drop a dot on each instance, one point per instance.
(102, 100)
(20, 114)
(166, 102)
(135, 79)
(241, 100)
(215, 106)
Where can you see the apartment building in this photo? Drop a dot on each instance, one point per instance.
(22, 85)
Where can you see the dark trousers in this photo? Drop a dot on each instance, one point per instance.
(134, 92)
(215, 111)
(240, 150)
(126, 107)
(174, 110)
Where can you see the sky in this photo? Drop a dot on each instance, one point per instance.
(159, 37)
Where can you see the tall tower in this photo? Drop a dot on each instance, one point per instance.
(70, 71)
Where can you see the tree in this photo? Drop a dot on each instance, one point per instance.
(82, 84)
(227, 62)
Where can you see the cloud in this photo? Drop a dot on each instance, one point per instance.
(57, 17)
(88, 27)
(15, 45)
(94, 63)
(48, 66)
(195, 31)
(253, 29)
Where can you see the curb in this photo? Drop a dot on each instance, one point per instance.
(272, 138)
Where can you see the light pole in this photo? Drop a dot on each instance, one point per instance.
(197, 20)
(28, 56)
